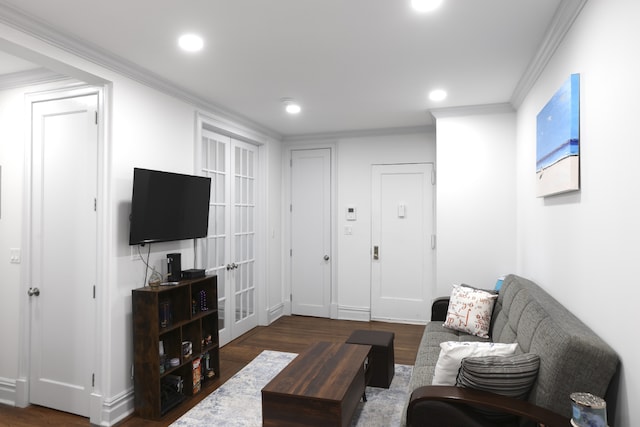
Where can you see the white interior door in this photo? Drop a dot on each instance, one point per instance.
(402, 265)
(229, 251)
(311, 232)
(63, 252)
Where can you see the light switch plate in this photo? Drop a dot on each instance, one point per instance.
(14, 256)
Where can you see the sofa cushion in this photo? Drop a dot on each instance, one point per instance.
(452, 353)
(470, 310)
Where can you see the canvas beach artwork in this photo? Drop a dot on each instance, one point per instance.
(558, 141)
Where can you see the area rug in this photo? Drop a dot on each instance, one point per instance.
(238, 402)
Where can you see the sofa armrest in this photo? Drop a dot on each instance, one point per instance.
(439, 309)
(466, 396)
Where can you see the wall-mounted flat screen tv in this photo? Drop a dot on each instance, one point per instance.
(168, 206)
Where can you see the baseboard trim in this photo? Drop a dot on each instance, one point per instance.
(398, 320)
(7, 391)
(274, 313)
(362, 314)
(113, 410)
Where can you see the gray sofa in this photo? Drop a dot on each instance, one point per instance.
(572, 358)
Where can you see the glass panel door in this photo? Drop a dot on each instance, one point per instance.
(215, 248)
(244, 183)
(229, 249)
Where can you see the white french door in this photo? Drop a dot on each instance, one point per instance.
(229, 250)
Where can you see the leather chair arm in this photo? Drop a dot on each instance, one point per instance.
(439, 308)
(485, 400)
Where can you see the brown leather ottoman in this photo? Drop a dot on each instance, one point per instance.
(381, 357)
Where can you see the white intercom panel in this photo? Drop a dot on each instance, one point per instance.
(351, 213)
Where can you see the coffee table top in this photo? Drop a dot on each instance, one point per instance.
(324, 371)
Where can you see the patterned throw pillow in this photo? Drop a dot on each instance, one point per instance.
(452, 353)
(511, 376)
(470, 310)
(506, 375)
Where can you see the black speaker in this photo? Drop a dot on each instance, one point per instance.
(174, 268)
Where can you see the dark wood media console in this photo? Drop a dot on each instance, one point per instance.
(174, 316)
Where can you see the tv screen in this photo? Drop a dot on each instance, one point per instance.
(168, 206)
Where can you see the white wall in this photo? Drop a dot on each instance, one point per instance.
(583, 246)
(355, 159)
(145, 128)
(154, 131)
(11, 159)
(476, 214)
(274, 292)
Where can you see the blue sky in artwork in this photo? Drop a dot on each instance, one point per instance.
(558, 125)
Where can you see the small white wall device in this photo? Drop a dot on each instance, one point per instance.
(351, 213)
(402, 210)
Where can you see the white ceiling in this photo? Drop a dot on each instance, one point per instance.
(352, 64)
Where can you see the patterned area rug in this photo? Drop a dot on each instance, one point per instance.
(238, 402)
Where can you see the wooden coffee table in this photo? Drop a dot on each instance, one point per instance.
(320, 387)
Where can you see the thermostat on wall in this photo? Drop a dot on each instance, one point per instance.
(351, 213)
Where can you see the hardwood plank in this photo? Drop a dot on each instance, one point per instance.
(290, 334)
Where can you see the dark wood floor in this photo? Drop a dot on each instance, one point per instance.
(291, 334)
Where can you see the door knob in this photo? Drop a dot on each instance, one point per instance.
(33, 291)
(326, 257)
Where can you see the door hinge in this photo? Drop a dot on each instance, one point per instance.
(93, 380)
(96, 117)
(290, 163)
(433, 241)
(95, 204)
(433, 177)
(290, 207)
(290, 252)
(290, 297)
(94, 291)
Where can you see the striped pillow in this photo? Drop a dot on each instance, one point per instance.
(511, 376)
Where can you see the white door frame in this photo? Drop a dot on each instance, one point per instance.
(96, 353)
(287, 286)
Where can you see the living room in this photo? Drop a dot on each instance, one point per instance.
(489, 220)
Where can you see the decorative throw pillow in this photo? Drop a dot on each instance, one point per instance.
(470, 310)
(452, 353)
(511, 376)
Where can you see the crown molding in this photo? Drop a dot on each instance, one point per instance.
(359, 133)
(41, 30)
(565, 15)
(473, 110)
(29, 77)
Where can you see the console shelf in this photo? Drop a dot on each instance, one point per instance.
(184, 318)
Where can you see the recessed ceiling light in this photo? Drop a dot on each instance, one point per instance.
(291, 106)
(191, 42)
(425, 5)
(437, 95)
